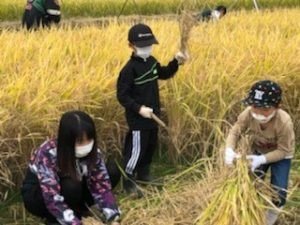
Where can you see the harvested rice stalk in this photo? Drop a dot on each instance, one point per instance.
(236, 201)
(186, 23)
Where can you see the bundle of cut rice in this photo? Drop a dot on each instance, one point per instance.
(240, 199)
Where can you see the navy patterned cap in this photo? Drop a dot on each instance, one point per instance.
(265, 93)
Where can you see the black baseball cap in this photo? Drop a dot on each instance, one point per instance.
(141, 35)
(265, 93)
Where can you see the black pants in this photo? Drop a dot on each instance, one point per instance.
(33, 18)
(75, 193)
(139, 149)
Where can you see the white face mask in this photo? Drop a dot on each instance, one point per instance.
(82, 151)
(143, 52)
(215, 14)
(261, 118)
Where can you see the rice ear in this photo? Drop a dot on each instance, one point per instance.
(186, 23)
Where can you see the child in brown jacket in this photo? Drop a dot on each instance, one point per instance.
(271, 130)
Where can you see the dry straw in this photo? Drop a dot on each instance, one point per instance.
(91, 221)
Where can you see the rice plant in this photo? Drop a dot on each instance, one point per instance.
(47, 72)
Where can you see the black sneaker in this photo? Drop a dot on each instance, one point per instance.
(143, 174)
(131, 188)
(51, 223)
(144, 178)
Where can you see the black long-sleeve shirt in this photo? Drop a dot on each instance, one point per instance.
(137, 85)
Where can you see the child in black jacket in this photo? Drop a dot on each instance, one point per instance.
(138, 93)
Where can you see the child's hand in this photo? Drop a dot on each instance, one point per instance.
(146, 112)
(256, 161)
(229, 156)
(181, 57)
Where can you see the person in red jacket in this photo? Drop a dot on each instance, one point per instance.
(67, 174)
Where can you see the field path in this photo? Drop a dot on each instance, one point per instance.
(102, 21)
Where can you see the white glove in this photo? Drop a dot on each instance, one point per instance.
(111, 214)
(230, 155)
(146, 112)
(256, 161)
(271, 216)
(181, 57)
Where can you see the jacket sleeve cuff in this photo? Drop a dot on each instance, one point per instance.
(136, 108)
(111, 214)
(175, 63)
(274, 156)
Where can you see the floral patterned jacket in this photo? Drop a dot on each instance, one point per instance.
(43, 164)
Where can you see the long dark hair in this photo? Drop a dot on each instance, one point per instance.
(221, 8)
(73, 126)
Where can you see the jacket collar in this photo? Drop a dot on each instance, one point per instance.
(139, 59)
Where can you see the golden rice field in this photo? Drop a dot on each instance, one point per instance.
(47, 72)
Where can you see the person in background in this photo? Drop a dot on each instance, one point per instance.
(41, 12)
(271, 130)
(138, 93)
(67, 175)
(212, 15)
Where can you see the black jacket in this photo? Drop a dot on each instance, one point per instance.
(137, 85)
(205, 15)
